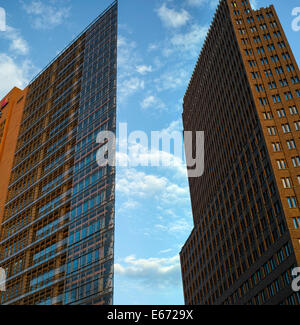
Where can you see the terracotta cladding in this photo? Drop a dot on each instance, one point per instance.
(245, 241)
(10, 121)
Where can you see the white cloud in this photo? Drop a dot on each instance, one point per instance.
(176, 227)
(182, 47)
(130, 86)
(143, 69)
(132, 154)
(191, 41)
(128, 205)
(129, 79)
(153, 102)
(153, 47)
(13, 74)
(198, 3)
(127, 56)
(173, 18)
(173, 126)
(254, 4)
(172, 79)
(165, 251)
(17, 44)
(132, 183)
(46, 16)
(152, 272)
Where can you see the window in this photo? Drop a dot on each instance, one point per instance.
(297, 125)
(277, 285)
(260, 50)
(286, 128)
(283, 82)
(288, 95)
(251, 63)
(259, 88)
(296, 222)
(281, 164)
(290, 68)
(268, 73)
(263, 26)
(291, 144)
(271, 291)
(276, 99)
(285, 56)
(271, 47)
(257, 39)
(268, 116)
(293, 110)
(276, 147)
(279, 70)
(273, 24)
(286, 182)
(255, 75)
(298, 92)
(281, 113)
(264, 61)
(277, 35)
(263, 101)
(266, 269)
(295, 80)
(272, 130)
(296, 161)
(272, 85)
(275, 58)
(292, 202)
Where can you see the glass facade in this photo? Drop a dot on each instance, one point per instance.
(57, 232)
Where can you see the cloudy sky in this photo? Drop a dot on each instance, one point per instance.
(159, 41)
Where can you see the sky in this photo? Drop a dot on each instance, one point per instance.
(158, 45)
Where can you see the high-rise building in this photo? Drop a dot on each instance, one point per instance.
(245, 95)
(56, 202)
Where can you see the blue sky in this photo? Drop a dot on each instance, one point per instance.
(159, 41)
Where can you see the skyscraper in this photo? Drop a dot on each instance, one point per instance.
(56, 202)
(245, 95)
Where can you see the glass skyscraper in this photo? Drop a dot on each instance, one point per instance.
(57, 203)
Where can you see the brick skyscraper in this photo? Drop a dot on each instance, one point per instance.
(56, 203)
(245, 95)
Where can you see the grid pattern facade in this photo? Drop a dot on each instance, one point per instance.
(244, 94)
(57, 232)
